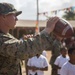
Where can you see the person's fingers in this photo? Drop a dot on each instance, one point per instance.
(51, 24)
(53, 19)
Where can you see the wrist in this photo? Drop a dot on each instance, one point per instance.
(47, 30)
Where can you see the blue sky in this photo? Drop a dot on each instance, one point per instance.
(28, 7)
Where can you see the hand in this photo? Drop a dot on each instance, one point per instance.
(34, 68)
(51, 24)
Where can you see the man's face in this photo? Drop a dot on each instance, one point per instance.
(64, 52)
(10, 20)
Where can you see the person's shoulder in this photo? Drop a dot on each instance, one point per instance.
(43, 57)
(66, 65)
(59, 56)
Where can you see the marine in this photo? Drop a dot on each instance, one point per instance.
(13, 50)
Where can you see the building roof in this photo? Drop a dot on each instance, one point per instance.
(32, 23)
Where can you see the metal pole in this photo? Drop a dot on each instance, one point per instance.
(37, 11)
(37, 19)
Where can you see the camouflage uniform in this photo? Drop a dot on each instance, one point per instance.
(13, 50)
(55, 52)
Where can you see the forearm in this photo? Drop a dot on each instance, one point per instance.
(57, 67)
(38, 44)
(43, 69)
(30, 67)
(37, 68)
(16, 49)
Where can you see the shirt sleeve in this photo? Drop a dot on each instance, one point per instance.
(46, 64)
(29, 62)
(57, 61)
(11, 47)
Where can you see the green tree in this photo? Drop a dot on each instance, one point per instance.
(69, 15)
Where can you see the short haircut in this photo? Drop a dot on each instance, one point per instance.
(70, 50)
(63, 48)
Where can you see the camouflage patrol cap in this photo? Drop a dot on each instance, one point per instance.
(7, 8)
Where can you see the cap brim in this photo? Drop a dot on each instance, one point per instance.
(15, 12)
(18, 13)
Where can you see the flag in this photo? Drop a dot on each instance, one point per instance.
(37, 28)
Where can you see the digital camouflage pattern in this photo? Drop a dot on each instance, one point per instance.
(55, 53)
(7, 8)
(12, 51)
